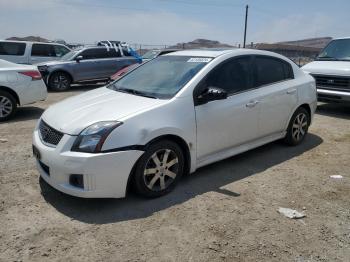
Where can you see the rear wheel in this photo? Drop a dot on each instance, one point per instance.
(159, 169)
(59, 81)
(8, 106)
(298, 127)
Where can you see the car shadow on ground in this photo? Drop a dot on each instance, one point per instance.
(206, 179)
(26, 113)
(334, 110)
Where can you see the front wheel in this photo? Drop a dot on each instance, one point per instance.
(159, 169)
(8, 106)
(59, 81)
(298, 127)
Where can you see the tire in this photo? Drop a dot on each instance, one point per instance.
(59, 81)
(8, 106)
(298, 127)
(159, 169)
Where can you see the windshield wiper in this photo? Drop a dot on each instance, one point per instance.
(134, 92)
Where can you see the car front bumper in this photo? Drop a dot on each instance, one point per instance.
(326, 95)
(105, 175)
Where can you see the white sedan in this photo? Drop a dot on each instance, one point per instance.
(19, 85)
(169, 117)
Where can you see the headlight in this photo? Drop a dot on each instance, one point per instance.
(91, 139)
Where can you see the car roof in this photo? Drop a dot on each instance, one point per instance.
(32, 42)
(216, 52)
(341, 38)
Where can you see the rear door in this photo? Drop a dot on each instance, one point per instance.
(109, 62)
(14, 52)
(278, 96)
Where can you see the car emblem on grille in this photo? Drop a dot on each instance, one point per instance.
(330, 81)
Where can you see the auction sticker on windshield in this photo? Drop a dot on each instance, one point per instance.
(199, 60)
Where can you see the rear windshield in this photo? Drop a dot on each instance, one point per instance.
(162, 77)
(9, 48)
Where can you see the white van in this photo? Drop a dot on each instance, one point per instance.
(331, 69)
(22, 52)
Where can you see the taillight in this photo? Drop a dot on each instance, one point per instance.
(35, 75)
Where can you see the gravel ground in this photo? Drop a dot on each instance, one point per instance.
(224, 212)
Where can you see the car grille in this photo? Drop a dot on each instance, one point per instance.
(332, 82)
(48, 134)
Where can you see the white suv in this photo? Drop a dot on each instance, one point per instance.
(23, 52)
(332, 72)
(171, 116)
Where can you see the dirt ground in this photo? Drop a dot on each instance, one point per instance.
(224, 212)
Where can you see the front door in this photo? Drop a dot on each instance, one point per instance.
(227, 123)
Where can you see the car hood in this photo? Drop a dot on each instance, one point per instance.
(328, 68)
(53, 63)
(72, 115)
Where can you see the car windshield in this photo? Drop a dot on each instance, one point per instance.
(162, 77)
(69, 55)
(336, 50)
(151, 54)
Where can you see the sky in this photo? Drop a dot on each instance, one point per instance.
(166, 22)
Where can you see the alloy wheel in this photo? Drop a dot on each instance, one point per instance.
(5, 107)
(161, 170)
(299, 127)
(60, 82)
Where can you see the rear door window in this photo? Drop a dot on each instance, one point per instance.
(113, 53)
(43, 50)
(99, 53)
(269, 70)
(9, 48)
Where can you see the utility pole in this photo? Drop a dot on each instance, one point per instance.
(245, 25)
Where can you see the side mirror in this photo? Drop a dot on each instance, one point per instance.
(211, 94)
(78, 58)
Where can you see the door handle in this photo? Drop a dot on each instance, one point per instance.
(252, 104)
(292, 91)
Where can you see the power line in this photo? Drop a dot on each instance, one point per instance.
(202, 4)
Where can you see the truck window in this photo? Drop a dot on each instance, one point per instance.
(43, 50)
(10, 48)
(60, 50)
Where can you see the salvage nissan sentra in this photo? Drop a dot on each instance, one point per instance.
(169, 117)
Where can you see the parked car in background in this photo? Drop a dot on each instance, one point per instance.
(156, 52)
(171, 116)
(22, 52)
(19, 85)
(331, 69)
(89, 64)
(147, 57)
